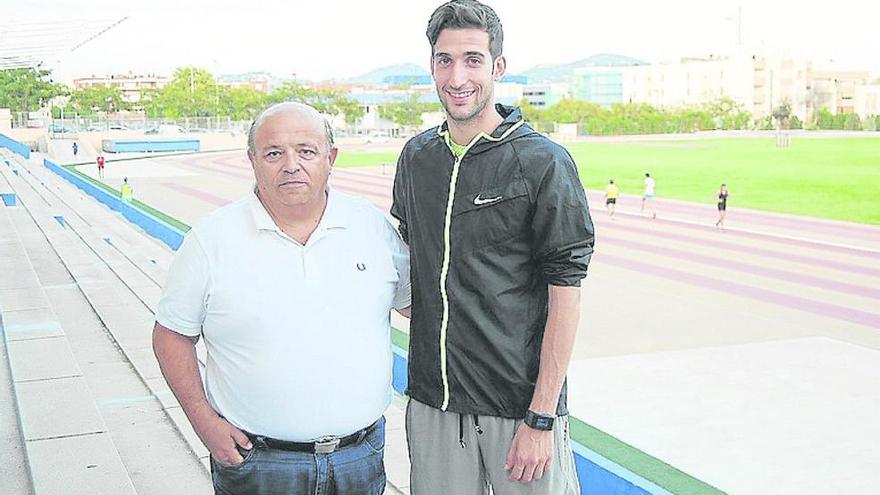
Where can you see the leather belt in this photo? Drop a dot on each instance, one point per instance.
(324, 445)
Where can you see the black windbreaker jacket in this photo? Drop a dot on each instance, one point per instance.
(487, 235)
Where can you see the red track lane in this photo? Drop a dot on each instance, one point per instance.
(762, 271)
(730, 287)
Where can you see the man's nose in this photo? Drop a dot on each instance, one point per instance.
(458, 76)
(291, 163)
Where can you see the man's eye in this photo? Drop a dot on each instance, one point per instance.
(308, 153)
(273, 154)
(474, 61)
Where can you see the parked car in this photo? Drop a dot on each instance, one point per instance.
(60, 128)
(378, 137)
(165, 129)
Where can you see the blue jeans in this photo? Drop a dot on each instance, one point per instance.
(357, 469)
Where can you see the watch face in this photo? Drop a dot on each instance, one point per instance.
(539, 421)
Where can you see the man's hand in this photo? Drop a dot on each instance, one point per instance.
(530, 454)
(221, 438)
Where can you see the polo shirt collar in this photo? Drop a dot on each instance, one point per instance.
(335, 216)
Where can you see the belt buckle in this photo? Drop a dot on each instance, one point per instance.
(326, 445)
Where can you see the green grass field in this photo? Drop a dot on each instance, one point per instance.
(831, 178)
(836, 178)
(347, 159)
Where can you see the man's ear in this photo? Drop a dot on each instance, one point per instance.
(250, 155)
(499, 67)
(333, 152)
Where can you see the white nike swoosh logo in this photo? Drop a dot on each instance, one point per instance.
(482, 201)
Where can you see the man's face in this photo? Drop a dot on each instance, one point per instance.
(290, 159)
(464, 73)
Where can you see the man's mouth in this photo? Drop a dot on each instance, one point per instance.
(292, 183)
(460, 95)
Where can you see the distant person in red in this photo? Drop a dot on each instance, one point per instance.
(722, 206)
(100, 166)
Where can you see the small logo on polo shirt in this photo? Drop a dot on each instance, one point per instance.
(361, 266)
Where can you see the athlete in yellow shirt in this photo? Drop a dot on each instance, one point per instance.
(126, 191)
(611, 194)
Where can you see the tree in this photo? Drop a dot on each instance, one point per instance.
(728, 113)
(782, 115)
(26, 90)
(352, 110)
(852, 122)
(329, 101)
(242, 103)
(407, 113)
(531, 113)
(824, 119)
(796, 122)
(192, 92)
(766, 124)
(571, 111)
(93, 99)
(323, 100)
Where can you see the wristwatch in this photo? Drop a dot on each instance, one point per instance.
(537, 421)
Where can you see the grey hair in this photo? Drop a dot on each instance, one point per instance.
(287, 106)
(462, 14)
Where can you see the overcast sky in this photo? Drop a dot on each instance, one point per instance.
(325, 39)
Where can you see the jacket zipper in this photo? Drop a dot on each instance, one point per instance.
(444, 273)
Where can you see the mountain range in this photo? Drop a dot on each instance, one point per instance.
(549, 73)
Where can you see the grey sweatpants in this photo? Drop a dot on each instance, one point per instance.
(441, 466)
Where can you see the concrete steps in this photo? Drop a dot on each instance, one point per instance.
(87, 285)
(79, 351)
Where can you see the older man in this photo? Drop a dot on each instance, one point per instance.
(291, 288)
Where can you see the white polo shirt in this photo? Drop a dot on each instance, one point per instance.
(298, 337)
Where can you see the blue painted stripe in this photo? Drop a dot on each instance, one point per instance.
(8, 199)
(150, 224)
(34, 327)
(399, 378)
(124, 401)
(14, 146)
(149, 146)
(588, 461)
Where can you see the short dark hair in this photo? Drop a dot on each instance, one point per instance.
(463, 14)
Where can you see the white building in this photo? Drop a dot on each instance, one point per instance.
(130, 85)
(759, 83)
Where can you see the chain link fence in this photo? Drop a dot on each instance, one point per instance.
(126, 122)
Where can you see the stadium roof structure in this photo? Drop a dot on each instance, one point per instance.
(32, 44)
